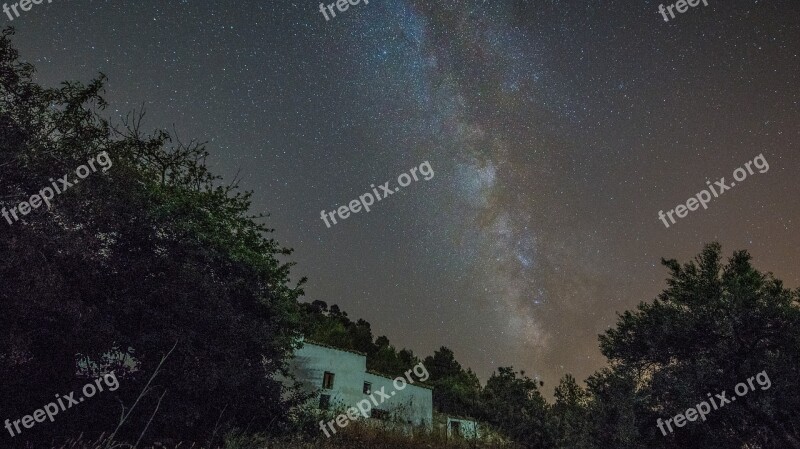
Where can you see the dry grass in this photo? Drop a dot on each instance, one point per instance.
(353, 437)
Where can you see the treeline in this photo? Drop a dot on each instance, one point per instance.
(456, 391)
(715, 326)
(158, 253)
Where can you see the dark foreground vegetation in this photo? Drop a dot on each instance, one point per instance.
(157, 253)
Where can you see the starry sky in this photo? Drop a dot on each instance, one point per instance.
(556, 130)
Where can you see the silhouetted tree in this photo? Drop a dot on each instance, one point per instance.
(455, 390)
(512, 402)
(714, 326)
(125, 264)
(571, 415)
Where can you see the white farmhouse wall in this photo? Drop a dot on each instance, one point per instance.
(412, 403)
(310, 363)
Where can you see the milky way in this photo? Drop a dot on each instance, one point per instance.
(556, 130)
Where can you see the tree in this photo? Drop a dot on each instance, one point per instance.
(454, 390)
(714, 326)
(514, 405)
(332, 326)
(512, 402)
(154, 251)
(617, 412)
(571, 415)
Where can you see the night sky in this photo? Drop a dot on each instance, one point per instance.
(556, 130)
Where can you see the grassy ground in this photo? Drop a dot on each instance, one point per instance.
(355, 437)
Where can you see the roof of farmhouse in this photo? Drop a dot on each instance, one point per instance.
(315, 343)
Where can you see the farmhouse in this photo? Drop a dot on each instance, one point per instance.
(340, 380)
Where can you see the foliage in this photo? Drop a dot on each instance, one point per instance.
(237, 439)
(512, 402)
(332, 326)
(455, 390)
(570, 415)
(714, 326)
(152, 252)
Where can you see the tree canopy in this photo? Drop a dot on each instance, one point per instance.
(152, 252)
(715, 325)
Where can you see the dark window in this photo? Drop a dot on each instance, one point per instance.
(327, 380)
(379, 414)
(367, 388)
(324, 401)
(455, 426)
